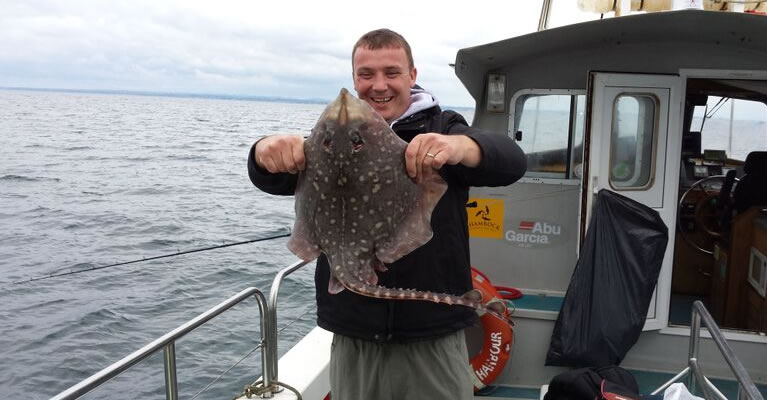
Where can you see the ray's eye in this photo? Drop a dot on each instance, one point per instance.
(326, 142)
(357, 141)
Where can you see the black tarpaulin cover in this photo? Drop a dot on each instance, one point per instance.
(606, 303)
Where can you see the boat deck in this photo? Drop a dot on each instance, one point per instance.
(648, 381)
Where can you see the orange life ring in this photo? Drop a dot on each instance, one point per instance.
(488, 364)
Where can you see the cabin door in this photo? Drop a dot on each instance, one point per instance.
(634, 148)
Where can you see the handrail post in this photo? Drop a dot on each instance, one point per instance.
(266, 337)
(692, 353)
(171, 383)
(741, 375)
(270, 364)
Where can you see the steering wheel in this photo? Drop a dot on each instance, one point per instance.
(708, 209)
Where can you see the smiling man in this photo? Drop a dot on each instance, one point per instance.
(389, 349)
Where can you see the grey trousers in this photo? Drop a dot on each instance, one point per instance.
(431, 369)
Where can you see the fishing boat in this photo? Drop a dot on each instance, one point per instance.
(633, 105)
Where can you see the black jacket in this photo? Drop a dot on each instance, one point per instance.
(441, 265)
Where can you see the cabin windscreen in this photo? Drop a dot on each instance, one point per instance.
(549, 129)
(737, 126)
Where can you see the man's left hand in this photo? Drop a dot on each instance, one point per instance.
(428, 152)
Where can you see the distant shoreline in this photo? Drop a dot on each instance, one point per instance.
(275, 99)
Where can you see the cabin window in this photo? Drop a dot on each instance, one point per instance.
(549, 129)
(632, 141)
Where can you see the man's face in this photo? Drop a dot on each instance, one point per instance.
(383, 78)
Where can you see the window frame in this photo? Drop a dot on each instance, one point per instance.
(551, 177)
(653, 146)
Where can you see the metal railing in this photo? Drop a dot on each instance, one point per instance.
(746, 386)
(270, 367)
(267, 343)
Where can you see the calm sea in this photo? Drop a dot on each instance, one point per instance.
(94, 179)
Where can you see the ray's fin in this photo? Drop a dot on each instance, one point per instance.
(334, 286)
(415, 229)
(303, 243)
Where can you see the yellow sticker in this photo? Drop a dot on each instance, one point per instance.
(485, 217)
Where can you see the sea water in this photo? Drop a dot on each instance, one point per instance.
(92, 179)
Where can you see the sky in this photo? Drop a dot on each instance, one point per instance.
(293, 49)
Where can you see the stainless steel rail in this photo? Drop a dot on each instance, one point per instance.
(167, 343)
(271, 339)
(693, 372)
(267, 342)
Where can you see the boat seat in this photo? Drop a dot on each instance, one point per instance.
(752, 187)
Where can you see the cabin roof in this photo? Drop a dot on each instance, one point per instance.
(691, 28)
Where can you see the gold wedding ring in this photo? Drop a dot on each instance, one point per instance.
(429, 155)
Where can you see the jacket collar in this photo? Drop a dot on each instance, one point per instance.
(420, 99)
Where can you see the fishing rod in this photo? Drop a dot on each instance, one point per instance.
(285, 232)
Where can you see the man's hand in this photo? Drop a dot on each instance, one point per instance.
(428, 152)
(281, 153)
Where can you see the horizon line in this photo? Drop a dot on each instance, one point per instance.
(219, 96)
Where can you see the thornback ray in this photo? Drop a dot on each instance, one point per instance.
(356, 204)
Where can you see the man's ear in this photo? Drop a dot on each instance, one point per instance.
(413, 74)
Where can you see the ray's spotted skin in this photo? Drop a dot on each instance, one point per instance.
(356, 204)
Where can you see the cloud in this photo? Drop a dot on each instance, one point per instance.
(291, 49)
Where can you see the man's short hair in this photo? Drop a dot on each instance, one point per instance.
(384, 38)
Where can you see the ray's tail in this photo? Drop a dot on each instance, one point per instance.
(472, 299)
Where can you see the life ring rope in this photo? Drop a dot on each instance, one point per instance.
(512, 293)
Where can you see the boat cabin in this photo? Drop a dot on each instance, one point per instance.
(668, 109)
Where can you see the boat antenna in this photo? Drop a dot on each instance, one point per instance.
(283, 232)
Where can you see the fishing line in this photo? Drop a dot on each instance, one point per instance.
(285, 232)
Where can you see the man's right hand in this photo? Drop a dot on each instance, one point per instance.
(281, 153)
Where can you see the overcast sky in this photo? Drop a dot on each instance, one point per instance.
(298, 49)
